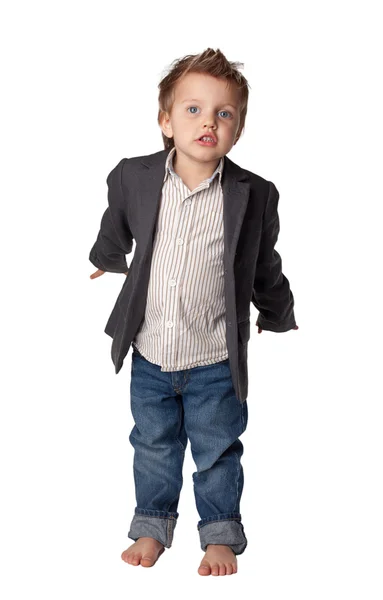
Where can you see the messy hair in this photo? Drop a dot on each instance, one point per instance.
(211, 62)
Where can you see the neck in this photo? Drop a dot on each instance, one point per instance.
(188, 168)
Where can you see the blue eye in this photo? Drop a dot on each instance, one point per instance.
(222, 111)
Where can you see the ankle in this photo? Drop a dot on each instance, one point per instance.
(151, 539)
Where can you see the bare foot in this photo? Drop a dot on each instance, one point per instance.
(218, 560)
(144, 551)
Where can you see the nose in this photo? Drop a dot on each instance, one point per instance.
(210, 122)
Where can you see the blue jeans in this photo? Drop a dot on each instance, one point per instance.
(169, 408)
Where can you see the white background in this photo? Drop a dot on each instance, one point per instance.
(79, 92)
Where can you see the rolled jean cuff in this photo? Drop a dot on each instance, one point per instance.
(158, 524)
(223, 529)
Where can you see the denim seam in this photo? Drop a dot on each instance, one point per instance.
(181, 444)
(172, 501)
(169, 532)
(179, 427)
(155, 516)
(178, 492)
(220, 521)
(238, 474)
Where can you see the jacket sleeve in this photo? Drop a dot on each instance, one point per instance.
(271, 290)
(114, 239)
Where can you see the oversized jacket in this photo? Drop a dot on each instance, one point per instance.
(252, 266)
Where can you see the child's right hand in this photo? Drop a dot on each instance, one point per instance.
(99, 272)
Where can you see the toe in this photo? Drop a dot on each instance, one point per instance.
(222, 569)
(127, 556)
(229, 569)
(147, 561)
(215, 569)
(204, 568)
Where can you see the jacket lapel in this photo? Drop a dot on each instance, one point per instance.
(235, 187)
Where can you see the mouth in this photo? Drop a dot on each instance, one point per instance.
(207, 140)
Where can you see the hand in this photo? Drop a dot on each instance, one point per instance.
(98, 273)
(260, 330)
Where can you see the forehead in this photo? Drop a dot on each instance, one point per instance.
(200, 86)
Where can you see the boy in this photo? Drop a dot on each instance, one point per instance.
(205, 231)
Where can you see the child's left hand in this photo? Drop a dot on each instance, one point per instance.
(260, 330)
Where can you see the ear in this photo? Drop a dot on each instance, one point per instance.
(165, 125)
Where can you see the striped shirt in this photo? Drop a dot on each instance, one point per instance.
(184, 324)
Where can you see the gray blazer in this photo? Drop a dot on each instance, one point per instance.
(252, 267)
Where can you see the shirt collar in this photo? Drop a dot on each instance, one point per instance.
(169, 167)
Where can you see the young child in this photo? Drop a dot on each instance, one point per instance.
(205, 231)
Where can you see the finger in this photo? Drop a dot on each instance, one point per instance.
(97, 273)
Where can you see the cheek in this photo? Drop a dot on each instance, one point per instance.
(230, 133)
(181, 122)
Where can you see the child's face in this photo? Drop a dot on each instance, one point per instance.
(203, 103)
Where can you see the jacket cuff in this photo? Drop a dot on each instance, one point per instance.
(277, 327)
(121, 268)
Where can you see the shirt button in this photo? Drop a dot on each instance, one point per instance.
(180, 241)
(169, 324)
(187, 202)
(173, 282)
(229, 323)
